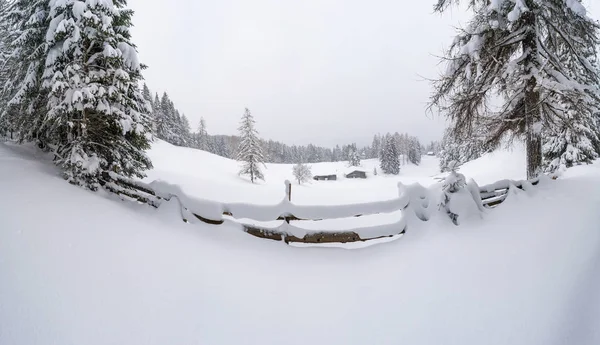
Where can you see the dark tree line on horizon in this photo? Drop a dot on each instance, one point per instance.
(173, 127)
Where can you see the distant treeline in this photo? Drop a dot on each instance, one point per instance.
(173, 127)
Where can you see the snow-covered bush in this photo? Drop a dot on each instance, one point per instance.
(459, 199)
(302, 172)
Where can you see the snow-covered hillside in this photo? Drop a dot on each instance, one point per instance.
(85, 268)
(216, 178)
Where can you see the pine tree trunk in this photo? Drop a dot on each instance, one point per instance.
(532, 109)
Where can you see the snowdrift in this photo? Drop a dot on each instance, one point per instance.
(81, 268)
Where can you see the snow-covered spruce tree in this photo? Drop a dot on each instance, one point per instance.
(574, 137)
(23, 24)
(97, 118)
(165, 119)
(6, 123)
(518, 50)
(186, 133)
(336, 154)
(573, 141)
(353, 156)
(457, 151)
(375, 147)
(414, 151)
(390, 163)
(249, 150)
(149, 107)
(202, 139)
(302, 172)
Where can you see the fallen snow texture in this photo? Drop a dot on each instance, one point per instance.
(462, 204)
(80, 268)
(422, 202)
(204, 208)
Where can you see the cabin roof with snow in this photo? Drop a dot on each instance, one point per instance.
(332, 177)
(357, 174)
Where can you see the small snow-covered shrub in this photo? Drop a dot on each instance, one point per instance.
(458, 199)
(302, 172)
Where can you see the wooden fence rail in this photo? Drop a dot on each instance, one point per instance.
(494, 194)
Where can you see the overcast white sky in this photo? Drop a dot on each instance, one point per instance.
(311, 71)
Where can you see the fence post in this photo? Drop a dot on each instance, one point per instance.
(288, 190)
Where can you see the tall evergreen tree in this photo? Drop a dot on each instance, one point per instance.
(250, 151)
(456, 151)
(186, 135)
(376, 146)
(336, 154)
(147, 94)
(574, 137)
(538, 55)
(7, 122)
(353, 156)
(202, 141)
(389, 162)
(167, 123)
(414, 151)
(573, 141)
(23, 24)
(97, 117)
(150, 108)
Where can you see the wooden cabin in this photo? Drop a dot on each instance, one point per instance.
(325, 177)
(357, 174)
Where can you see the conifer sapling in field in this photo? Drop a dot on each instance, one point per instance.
(250, 150)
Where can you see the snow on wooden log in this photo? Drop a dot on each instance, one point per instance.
(130, 183)
(133, 194)
(495, 193)
(504, 184)
(207, 211)
(289, 233)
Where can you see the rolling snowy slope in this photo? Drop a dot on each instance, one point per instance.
(212, 177)
(84, 268)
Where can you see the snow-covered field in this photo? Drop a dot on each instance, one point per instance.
(212, 177)
(84, 268)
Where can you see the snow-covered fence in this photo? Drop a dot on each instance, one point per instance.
(249, 216)
(413, 201)
(494, 194)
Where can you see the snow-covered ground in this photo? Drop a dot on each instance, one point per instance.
(84, 268)
(211, 177)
